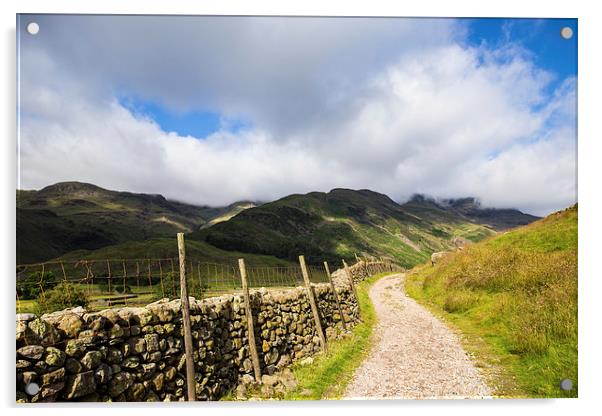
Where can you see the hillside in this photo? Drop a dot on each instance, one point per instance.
(72, 215)
(514, 297)
(157, 248)
(342, 222)
(498, 219)
(225, 213)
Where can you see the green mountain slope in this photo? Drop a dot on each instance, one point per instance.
(514, 296)
(159, 248)
(342, 222)
(72, 215)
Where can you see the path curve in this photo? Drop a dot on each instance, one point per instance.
(414, 356)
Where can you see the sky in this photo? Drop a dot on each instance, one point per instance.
(211, 110)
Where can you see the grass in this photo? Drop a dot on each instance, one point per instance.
(513, 298)
(327, 377)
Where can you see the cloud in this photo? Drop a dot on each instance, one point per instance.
(395, 106)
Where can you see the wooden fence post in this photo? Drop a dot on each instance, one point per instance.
(250, 330)
(334, 293)
(312, 302)
(184, 301)
(348, 272)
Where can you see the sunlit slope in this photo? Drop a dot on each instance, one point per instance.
(340, 223)
(517, 292)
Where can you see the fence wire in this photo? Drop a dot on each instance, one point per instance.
(101, 284)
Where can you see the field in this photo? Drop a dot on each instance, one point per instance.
(514, 299)
(107, 280)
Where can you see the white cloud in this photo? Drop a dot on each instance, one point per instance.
(423, 114)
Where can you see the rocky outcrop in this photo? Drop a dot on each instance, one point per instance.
(137, 354)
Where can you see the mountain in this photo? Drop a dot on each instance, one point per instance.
(71, 215)
(498, 219)
(225, 213)
(515, 298)
(342, 222)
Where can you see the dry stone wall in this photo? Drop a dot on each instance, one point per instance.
(137, 354)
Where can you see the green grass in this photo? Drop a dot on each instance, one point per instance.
(327, 377)
(514, 299)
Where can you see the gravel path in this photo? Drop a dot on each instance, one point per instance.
(415, 356)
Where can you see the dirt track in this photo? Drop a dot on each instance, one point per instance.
(415, 356)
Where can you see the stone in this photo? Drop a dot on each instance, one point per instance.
(71, 324)
(73, 366)
(247, 365)
(54, 357)
(157, 382)
(31, 352)
(120, 383)
(142, 316)
(103, 374)
(137, 345)
(136, 392)
(75, 348)
(269, 380)
(265, 346)
(29, 377)
(241, 392)
(116, 332)
(288, 379)
(51, 390)
(25, 317)
(114, 356)
(54, 376)
(151, 396)
(306, 361)
(247, 379)
(80, 385)
(47, 333)
(91, 360)
(284, 361)
(131, 362)
(170, 373)
(152, 342)
(272, 356)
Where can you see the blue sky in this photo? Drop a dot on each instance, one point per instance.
(539, 36)
(212, 110)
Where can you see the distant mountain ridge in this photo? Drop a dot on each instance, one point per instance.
(343, 222)
(497, 218)
(69, 216)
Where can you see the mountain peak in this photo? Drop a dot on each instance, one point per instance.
(70, 187)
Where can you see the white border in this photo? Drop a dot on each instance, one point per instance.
(590, 71)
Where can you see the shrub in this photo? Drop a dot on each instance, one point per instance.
(34, 284)
(63, 295)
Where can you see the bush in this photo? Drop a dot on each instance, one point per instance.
(64, 295)
(34, 284)
(169, 287)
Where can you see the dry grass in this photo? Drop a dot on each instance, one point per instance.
(518, 293)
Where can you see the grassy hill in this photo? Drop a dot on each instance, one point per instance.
(157, 248)
(514, 297)
(72, 215)
(342, 222)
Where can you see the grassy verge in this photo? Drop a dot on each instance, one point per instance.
(514, 300)
(328, 375)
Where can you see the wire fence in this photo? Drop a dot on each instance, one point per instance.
(100, 284)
